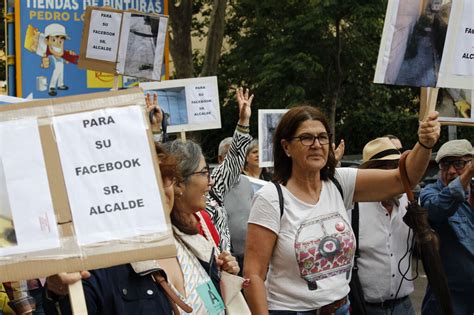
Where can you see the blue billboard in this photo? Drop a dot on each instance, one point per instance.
(47, 40)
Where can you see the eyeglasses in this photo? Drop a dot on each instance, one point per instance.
(204, 172)
(308, 140)
(458, 164)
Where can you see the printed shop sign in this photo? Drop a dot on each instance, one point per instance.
(48, 42)
(80, 186)
(189, 104)
(119, 42)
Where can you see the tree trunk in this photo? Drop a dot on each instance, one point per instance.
(338, 79)
(215, 38)
(181, 13)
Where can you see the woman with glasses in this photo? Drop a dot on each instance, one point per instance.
(300, 245)
(196, 237)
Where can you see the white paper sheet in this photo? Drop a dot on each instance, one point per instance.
(464, 56)
(104, 35)
(202, 100)
(27, 188)
(109, 175)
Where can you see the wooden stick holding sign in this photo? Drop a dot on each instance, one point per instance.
(77, 299)
(428, 101)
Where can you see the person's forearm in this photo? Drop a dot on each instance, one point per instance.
(256, 296)
(417, 163)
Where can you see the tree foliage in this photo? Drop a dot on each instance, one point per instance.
(321, 52)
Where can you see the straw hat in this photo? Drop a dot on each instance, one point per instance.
(379, 149)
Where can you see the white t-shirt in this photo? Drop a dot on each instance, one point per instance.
(312, 259)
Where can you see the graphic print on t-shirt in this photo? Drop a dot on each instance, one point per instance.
(324, 247)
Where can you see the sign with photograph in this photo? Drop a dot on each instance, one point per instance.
(427, 44)
(80, 189)
(188, 104)
(128, 43)
(268, 120)
(47, 45)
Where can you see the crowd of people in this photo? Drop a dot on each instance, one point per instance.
(294, 241)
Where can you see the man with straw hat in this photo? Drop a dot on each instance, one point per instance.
(384, 258)
(450, 205)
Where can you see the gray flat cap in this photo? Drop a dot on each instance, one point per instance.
(454, 148)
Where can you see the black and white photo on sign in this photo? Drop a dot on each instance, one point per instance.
(172, 102)
(268, 120)
(413, 41)
(109, 174)
(27, 224)
(142, 45)
(455, 105)
(189, 104)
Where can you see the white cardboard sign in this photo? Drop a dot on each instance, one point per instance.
(192, 104)
(104, 155)
(27, 212)
(104, 35)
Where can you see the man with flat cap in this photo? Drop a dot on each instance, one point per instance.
(450, 206)
(383, 258)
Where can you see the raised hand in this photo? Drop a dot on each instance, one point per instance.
(245, 102)
(153, 109)
(429, 130)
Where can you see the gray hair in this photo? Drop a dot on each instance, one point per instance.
(252, 145)
(188, 153)
(224, 146)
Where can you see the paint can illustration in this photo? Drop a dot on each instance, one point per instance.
(41, 83)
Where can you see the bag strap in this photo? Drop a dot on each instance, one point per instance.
(280, 198)
(170, 294)
(355, 229)
(280, 194)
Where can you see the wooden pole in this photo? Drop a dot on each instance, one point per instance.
(428, 97)
(116, 83)
(77, 299)
(183, 135)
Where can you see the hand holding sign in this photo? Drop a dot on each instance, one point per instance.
(429, 130)
(58, 283)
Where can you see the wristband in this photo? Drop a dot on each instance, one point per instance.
(243, 126)
(242, 129)
(425, 146)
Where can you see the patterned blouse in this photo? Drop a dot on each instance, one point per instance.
(225, 175)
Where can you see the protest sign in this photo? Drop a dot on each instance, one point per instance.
(119, 42)
(427, 44)
(93, 184)
(189, 104)
(34, 20)
(268, 120)
(457, 69)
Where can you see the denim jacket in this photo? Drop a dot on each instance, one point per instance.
(450, 214)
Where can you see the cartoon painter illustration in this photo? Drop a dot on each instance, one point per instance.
(50, 46)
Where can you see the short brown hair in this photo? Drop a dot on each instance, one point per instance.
(286, 129)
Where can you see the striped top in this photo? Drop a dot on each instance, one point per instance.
(225, 175)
